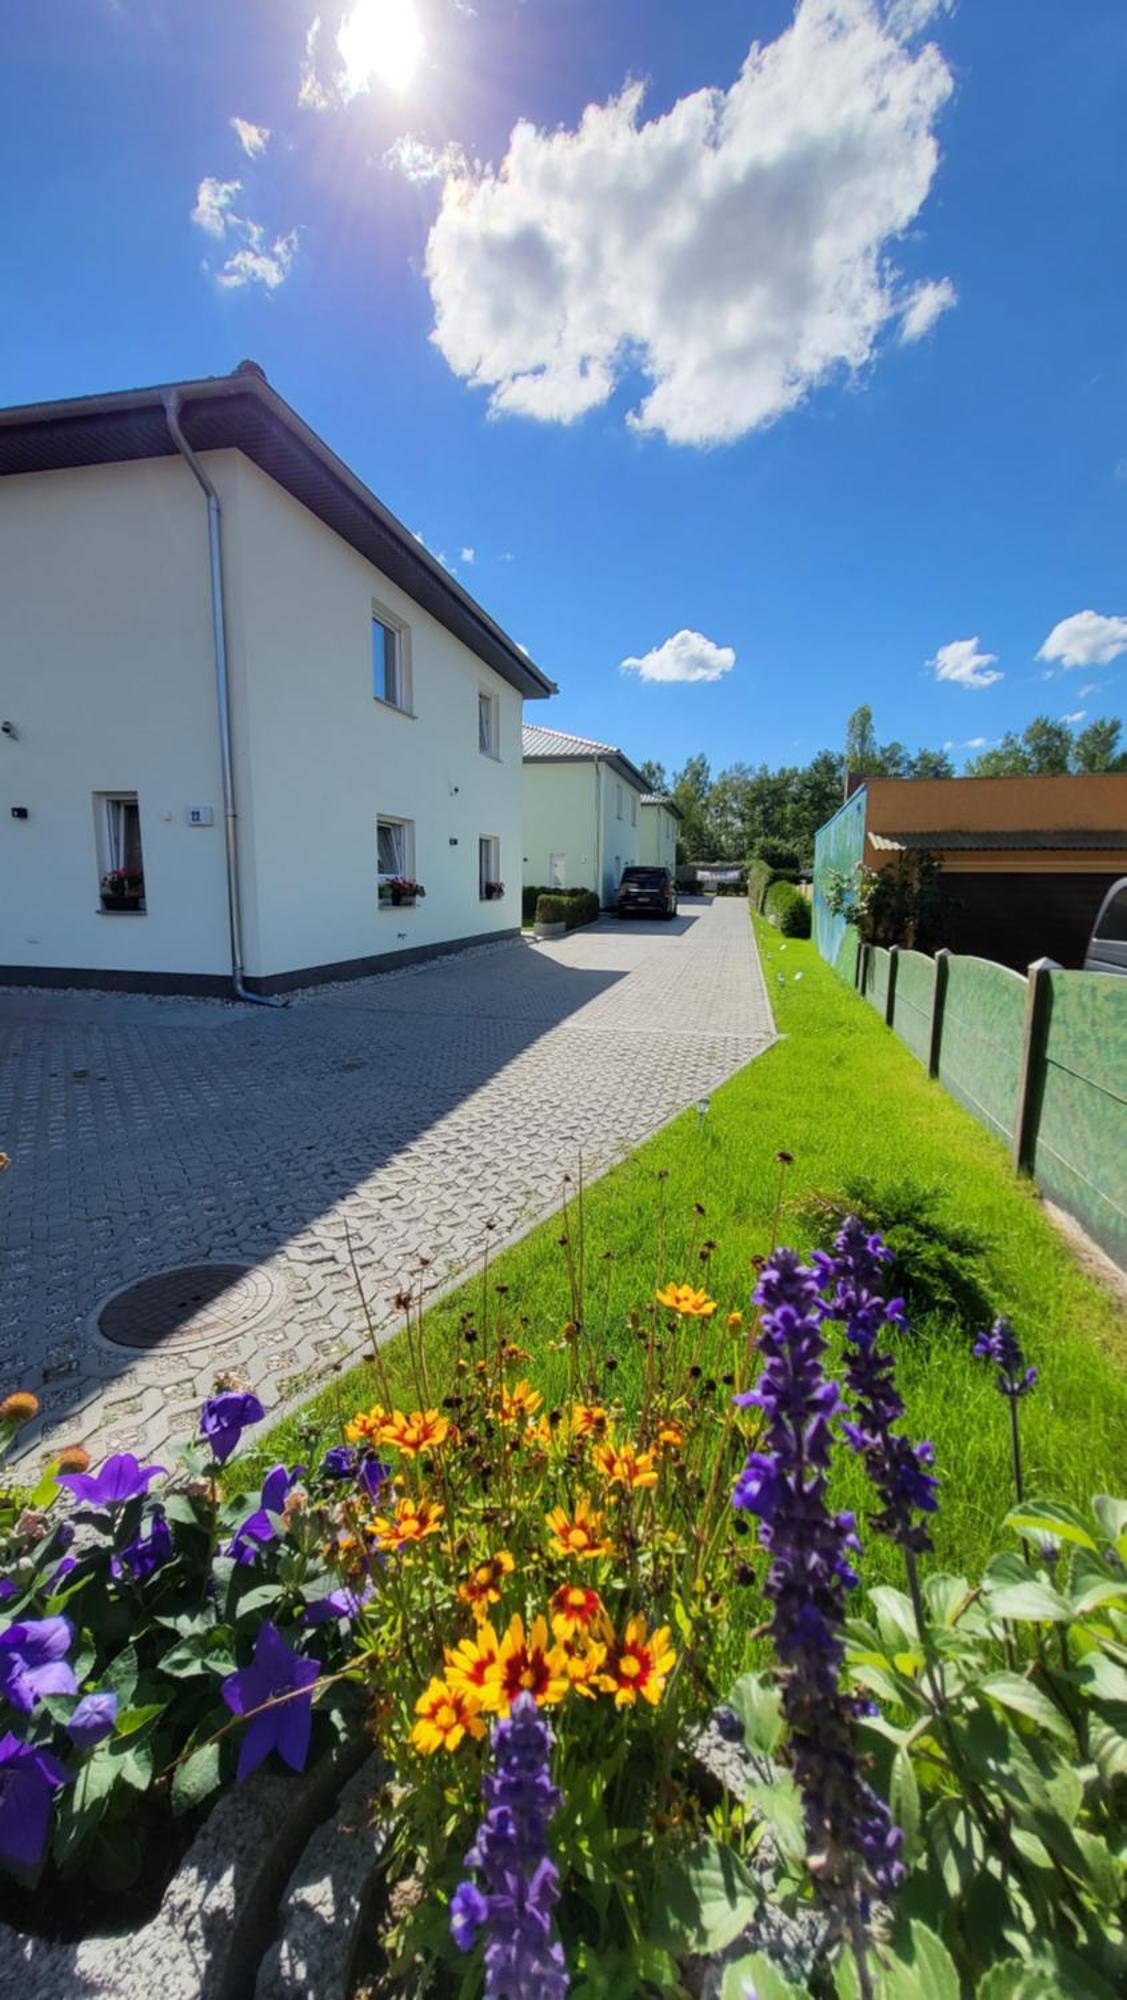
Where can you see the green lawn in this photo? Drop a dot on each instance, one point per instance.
(844, 1097)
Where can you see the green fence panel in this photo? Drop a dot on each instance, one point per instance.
(876, 977)
(845, 964)
(980, 1046)
(1080, 1149)
(912, 1001)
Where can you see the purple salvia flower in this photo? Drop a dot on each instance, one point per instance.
(1001, 1345)
(29, 1779)
(33, 1661)
(852, 1844)
(898, 1469)
(119, 1480)
(93, 1719)
(145, 1553)
(258, 1528)
(225, 1417)
(523, 1961)
(275, 1670)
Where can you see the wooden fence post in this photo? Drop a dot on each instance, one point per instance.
(938, 1001)
(890, 989)
(1037, 994)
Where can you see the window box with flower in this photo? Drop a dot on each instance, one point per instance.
(399, 892)
(123, 889)
(492, 891)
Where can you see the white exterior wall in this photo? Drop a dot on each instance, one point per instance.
(106, 672)
(659, 837)
(328, 760)
(622, 838)
(559, 818)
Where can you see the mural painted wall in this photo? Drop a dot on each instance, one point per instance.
(838, 845)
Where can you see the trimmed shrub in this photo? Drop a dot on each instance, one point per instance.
(551, 909)
(565, 906)
(938, 1268)
(788, 910)
(760, 877)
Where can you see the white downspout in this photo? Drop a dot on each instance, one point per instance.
(171, 400)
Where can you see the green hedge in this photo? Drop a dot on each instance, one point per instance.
(561, 906)
(787, 910)
(760, 878)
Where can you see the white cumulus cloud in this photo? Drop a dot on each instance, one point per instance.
(469, 555)
(924, 307)
(1087, 639)
(735, 250)
(1077, 715)
(253, 258)
(975, 743)
(687, 656)
(962, 663)
(252, 138)
(419, 163)
(911, 17)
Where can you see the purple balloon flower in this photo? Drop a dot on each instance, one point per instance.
(369, 1472)
(342, 1603)
(145, 1553)
(7, 1588)
(339, 1463)
(93, 1719)
(523, 1961)
(29, 1779)
(258, 1528)
(276, 1670)
(225, 1417)
(120, 1479)
(33, 1662)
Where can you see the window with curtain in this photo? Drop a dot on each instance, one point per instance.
(488, 864)
(488, 733)
(393, 848)
(389, 663)
(120, 862)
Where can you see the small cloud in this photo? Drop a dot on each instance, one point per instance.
(1087, 639)
(1077, 715)
(420, 163)
(1089, 687)
(312, 95)
(906, 18)
(506, 555)
(468, 555)
(687, 656)
(924, 307)
(252, 138)
(213, 205)
(975, 743)
(1121, 468)
(962, 663)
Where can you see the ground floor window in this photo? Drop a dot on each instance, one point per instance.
(489, 883)
(121, 868)
(557, 870)
(395, 856)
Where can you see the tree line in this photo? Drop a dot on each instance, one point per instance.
(726, 817)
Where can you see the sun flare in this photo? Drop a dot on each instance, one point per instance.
(380, 41)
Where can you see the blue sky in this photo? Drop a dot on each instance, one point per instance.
(823, 372)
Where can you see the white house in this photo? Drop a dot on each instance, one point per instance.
(234, 684)
(582, 812)
(660, 820)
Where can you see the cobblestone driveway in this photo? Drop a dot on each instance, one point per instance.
(410, 1109)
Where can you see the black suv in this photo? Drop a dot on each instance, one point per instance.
(646, 892)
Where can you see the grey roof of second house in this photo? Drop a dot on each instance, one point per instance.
(1021, 840)
(555, 746)
(662, 799)
(242, 412)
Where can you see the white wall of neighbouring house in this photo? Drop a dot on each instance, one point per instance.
(328, 760)
(622, 829)
(561, 823)
(106, 676)
(659, 837)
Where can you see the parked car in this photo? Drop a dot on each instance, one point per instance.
(1107, 946)
(646, 892)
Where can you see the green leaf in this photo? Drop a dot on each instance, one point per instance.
(1109, 1748)
(185, 1512)
(904, 1798)
(195, 1778)
(705, 1899)
(1112, 1517)
(45, 1492)
(130, 1720)
(1051, 1517)
(756, 1702)
(1012, 1591)
(1106, 1872)
(1014, 1979)
(121, 1675)
(1024, 1697)
(919, 1968)
(944, 1597)
(781, 1806)
(896, 1618)
(763, 1976)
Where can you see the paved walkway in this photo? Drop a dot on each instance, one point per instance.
(410, 1109)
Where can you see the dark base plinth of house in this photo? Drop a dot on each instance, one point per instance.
(1016, 918)
(217, 986)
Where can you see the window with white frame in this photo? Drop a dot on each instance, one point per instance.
(488, 723)
(489, 884)
(121, 868)
(391, 660)
(395, 853)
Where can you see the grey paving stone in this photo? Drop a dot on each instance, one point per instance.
(409, 1109)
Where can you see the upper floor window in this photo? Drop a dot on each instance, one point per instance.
(121, 868)
(618, 797)
(488, 723)
(391, 661)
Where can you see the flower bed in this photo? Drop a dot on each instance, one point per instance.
(534, 1608)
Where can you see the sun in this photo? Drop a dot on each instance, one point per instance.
(382, 41)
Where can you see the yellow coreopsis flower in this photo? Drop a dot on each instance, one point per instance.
(590, 1420)
(575, 1611)
(367, 1426)
(621, 1465)
(412, 1522)
(522, 1400)
(579, 1533)
(688, 1301)
(584, 1661)
(446, 1715)
(483, 1584)
(637, 1664)
(469, 1664)
(526, 1665)
(423, 1430)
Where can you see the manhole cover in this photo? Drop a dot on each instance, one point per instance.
(195, 1306)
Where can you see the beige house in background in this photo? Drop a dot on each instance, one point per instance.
(583, 818)
(238, 691)
(660, 820)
